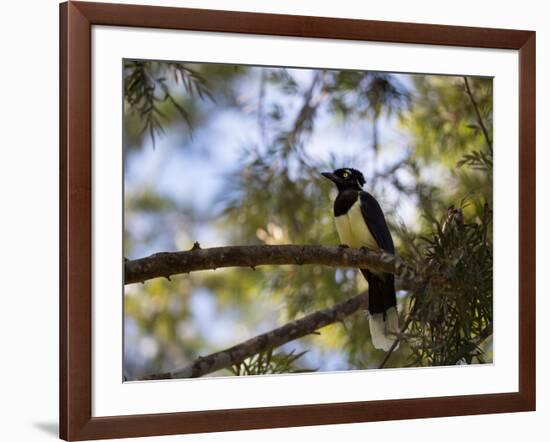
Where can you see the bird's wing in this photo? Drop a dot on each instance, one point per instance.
(375, 221)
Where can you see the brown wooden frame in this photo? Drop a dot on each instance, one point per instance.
(76, 421)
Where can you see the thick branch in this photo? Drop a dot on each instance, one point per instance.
(274, 338)
(167, 264)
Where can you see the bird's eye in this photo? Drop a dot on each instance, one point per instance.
(345, 174)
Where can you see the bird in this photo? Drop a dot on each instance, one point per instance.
(360, 223)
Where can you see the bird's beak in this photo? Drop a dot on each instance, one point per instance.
(330, 176)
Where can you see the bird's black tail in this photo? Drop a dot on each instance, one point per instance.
(383, 319)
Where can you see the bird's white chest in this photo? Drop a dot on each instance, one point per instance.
(353, 230)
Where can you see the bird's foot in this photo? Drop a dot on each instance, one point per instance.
(343, 246)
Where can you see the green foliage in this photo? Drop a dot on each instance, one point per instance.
(366, 93)
(478, 160)
(147, 91)
(269, 362)
(443, 119)
(452, 313)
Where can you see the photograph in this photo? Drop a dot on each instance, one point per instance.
(282, 220)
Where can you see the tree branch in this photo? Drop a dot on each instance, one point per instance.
(478, 114)
(274, 338)
(171, 263)
(398, 338)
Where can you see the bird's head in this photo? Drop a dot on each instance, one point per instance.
(346, 178)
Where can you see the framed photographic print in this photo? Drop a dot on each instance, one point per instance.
(272, 220)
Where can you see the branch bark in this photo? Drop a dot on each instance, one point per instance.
(274, 338)
(167, 264)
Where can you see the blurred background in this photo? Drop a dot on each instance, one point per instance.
(231, 155)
